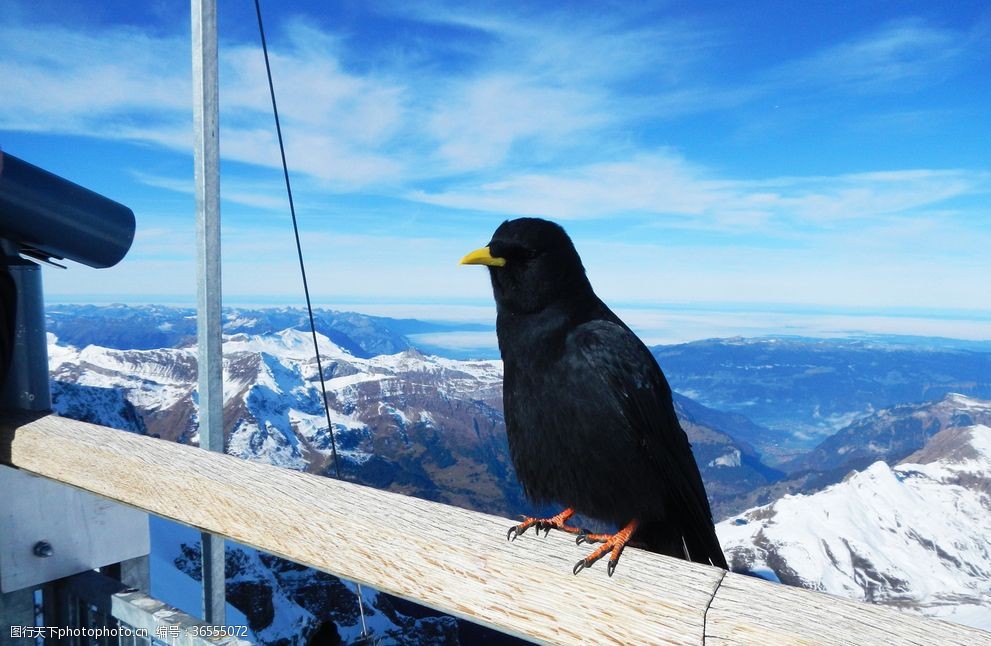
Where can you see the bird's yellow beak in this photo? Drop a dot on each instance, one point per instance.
(483, 257)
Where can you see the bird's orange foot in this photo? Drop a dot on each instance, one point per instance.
(613, 544)
(545, 524)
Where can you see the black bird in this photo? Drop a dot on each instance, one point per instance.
(589, 414)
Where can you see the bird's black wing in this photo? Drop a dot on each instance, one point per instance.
(631, 374)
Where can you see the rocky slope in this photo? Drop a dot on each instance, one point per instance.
(416, 424)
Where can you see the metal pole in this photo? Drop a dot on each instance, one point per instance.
(206, 160)
(27, 383)
(26, 388)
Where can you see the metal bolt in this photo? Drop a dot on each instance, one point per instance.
(43, 549)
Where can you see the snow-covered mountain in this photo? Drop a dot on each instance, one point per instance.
(802, 390)
(892, 433)
(433, 427)
(283, 602)
(149, 327)
(389, 412)
(416, 424)
(412, 423)
(914, 536)
(889, 434)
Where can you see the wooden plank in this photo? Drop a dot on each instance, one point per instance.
(454, 560)
(746, 610)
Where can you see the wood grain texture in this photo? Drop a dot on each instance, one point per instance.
(746, 610)
(451, 559)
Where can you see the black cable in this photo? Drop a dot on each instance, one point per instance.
(299, 248)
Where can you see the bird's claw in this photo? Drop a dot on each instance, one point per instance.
(584, 563)
(542, 524)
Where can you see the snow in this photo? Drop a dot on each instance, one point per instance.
(910, 535)
(240, 321)
(401, 420)
(274, 377)
(153, 379)
(914, 535)
(176, 588)
(343, 383)
(731, 459)
(290, 343)
(968, 403)
(981, 441)
(59, 354)
(376, 623)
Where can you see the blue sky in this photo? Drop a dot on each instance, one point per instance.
(814, 156)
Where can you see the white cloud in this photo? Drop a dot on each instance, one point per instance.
(269, 195)
(897, 56)
(660, 183)
(337, 126)
(67, 81)
(544, 115)
(541, 90)
(664, 184)
(120, 83)
(484, 119)
(551, 87)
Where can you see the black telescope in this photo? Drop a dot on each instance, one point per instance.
(49, 217)
(43, 216)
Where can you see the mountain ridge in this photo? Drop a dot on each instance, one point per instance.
(913, 535)
(432, 426)
(803, 391)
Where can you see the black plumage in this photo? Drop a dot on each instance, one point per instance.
(589, 414)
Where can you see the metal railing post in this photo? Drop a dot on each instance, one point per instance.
(206, 160)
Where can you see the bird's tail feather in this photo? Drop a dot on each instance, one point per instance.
(692, 544)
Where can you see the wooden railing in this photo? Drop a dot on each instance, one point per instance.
(451, 559)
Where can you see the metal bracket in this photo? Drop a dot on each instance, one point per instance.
(82, 531)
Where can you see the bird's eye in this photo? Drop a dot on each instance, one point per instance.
(525, 254)
(513, 251)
